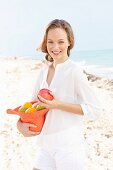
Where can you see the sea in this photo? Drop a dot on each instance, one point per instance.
(99, 62)
(103, 58)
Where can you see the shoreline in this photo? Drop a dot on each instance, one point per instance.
(99, 71)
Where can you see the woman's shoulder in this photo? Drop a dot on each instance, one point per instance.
(76, 66)
(78, 72)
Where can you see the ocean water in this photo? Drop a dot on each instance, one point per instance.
(99, 62)
(102, 58)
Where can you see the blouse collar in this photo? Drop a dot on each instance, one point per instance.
(60, 65)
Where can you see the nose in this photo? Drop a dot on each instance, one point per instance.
(56, 46)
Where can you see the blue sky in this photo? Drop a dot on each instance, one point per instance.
(22, 23)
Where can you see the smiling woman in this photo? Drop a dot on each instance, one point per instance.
(58, 38)
(61, 140)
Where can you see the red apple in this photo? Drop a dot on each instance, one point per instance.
(45, 93)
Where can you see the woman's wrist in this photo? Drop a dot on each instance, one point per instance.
(59, 105)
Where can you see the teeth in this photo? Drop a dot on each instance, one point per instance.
(56, 52)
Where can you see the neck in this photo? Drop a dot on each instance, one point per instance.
(55, 62)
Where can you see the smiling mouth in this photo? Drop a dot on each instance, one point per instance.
(56, 52)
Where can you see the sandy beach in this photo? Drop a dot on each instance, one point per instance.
(17, 80)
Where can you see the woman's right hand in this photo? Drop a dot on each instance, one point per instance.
(24, 129)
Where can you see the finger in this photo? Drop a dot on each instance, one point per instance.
(31, 125)
(52, 94)
(40, 103)
(42, 99)
(43, 104)
(34, 133)
(28, 132)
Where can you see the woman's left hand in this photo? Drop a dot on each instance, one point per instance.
(50, 104)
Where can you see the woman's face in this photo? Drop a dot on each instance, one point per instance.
(57, 44)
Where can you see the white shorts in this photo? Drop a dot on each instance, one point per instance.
(59, 160)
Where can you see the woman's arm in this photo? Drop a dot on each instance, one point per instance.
(55, 104)
(87, 97)
(68, 107)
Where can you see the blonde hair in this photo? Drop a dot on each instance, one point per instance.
(57, 24)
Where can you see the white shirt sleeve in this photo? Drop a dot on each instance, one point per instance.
(87, 97)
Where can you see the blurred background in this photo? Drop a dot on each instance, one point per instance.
(23, 23)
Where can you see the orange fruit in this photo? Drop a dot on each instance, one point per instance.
(27, 105)
(30, 110)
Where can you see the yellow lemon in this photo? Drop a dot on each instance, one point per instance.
(27, 105)
(30, 110)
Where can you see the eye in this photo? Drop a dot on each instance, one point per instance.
(61, 42)
(49, 42)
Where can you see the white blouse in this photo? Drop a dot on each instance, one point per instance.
(64, 129)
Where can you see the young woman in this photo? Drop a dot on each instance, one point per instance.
(61, 140)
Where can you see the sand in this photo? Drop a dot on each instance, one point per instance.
(17, 79)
